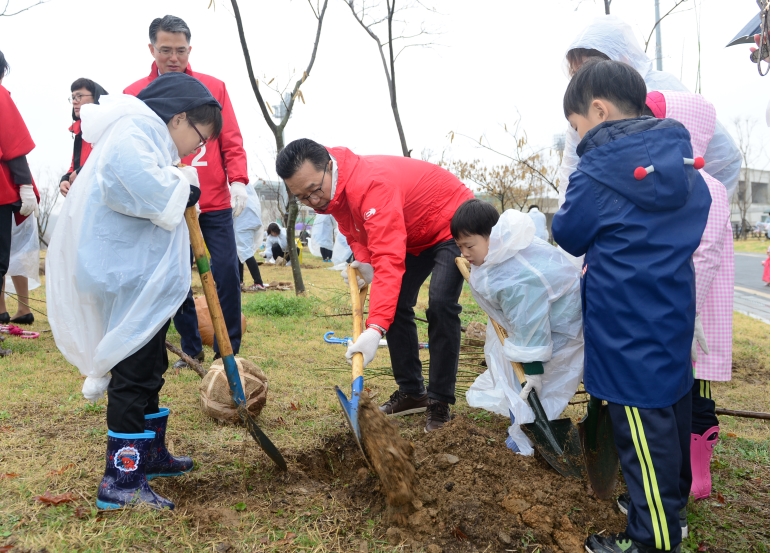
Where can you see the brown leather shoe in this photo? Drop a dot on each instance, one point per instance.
(437, 414)
(404, 404)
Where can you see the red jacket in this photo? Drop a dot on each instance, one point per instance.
(388, 207)
(218, 161)
(85, 147)
(15, 141)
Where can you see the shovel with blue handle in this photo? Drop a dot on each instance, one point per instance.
(351, 407)
(221, 333)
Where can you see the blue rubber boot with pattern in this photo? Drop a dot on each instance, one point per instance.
(124, 483)
(159, 461)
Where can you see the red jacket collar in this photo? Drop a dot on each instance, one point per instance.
(346, 162)
(154, 71)
(75, 127)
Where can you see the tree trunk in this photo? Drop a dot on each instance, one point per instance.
(292, 210)
(402, 139)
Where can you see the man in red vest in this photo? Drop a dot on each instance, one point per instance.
(395, 213)
(221, 166)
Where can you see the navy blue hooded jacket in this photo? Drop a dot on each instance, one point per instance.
(638, 287)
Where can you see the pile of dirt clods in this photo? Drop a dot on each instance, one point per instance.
(473, 493)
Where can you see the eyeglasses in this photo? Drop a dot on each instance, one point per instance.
(315, 194)
(203, 140)
(167, 52)
(76, 99)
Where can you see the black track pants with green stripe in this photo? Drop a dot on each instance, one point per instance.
(654, 448)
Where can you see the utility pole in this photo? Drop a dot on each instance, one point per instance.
(658, 36)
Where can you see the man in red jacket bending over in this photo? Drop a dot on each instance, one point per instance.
(395, 213)
(218, 162)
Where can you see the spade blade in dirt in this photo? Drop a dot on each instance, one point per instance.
(557, 441)
(596, 433)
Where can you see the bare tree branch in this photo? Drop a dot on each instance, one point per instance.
(5, 13)
(677, 3)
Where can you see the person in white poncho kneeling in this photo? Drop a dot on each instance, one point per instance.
(118, 268)
(532, 290)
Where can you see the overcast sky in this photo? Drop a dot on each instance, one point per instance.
(493, 60)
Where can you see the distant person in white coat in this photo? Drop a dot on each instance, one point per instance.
(540, 222)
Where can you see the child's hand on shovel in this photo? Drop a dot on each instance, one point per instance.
(367, 345)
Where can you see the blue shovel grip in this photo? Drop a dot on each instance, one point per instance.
(234, 380)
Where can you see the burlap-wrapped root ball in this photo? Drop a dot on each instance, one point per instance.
(216, 400)
(205, 327)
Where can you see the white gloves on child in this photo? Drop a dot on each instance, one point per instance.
(366, 271)
(533, 382)
(191, 174)
(699, 339)
(367, 345)
(238, 197)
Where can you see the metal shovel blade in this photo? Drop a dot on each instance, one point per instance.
(351, 409)
(568, 459)
(596, 433)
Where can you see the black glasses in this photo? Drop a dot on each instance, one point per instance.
(75, 99)
(203, 140)
(316, 194)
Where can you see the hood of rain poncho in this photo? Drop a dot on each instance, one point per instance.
(533, 291)
(118, 264)
(97, 93)
(174, 93)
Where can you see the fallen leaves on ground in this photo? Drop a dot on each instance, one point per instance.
(9, 475)
(57, 472)
(702, 547)
(459, 534)
(55, 499)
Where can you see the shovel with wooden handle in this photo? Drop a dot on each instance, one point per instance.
(221, 333)
(557, 441)
(351, 407)
(596, 433)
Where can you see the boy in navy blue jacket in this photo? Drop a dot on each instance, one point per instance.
(636, 208)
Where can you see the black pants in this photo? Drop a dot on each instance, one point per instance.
(254, 270)
(704, 416)
(135, 383)
(6, 225)
(278, 253)
(443, 316)
(217, 230)
(654, 447)
(326, 254)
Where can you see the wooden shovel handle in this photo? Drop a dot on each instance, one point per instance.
(207, 280)
(465, 270)
(358, 298)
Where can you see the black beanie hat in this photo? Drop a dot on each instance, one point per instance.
(174, 93)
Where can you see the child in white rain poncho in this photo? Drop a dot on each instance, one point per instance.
(531, 289)
(323, 238)
(118, 268)
(249, 233)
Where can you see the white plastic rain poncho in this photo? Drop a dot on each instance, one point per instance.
(613, 37)
(532, 290)
(118, 265)
(270, 240)
(248, 226)
(322, 234)
(341, 253)
(25, 254)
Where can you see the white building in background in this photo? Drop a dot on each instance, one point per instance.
(755, 194)
(273, 200)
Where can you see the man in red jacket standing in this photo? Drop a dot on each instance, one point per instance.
(219, 162)
(395, 213)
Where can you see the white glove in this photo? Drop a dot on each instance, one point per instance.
(533, 382)
(698, 338)
(367, 345)
(365, 270)
(238, 197)
(191, 174)
(28, 201)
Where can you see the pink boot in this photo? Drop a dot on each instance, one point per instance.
(701, 454)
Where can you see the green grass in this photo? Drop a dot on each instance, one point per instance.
(751, 245)
(235, 498)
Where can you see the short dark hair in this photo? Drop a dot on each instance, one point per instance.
(298, 152)
(532, 207)
(577, 56)
(4, 67)
(473, 217)
(207, 114)
(273, 227)
(169, 24)
(616, 82)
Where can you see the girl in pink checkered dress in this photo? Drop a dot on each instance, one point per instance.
(714, 264)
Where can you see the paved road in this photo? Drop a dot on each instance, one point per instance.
(751, 295)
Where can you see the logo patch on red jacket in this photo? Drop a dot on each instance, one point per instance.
(369, 213)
